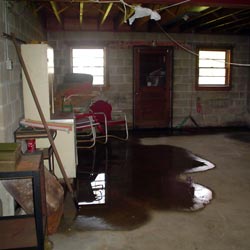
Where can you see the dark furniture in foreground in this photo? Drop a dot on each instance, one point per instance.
(26, 231)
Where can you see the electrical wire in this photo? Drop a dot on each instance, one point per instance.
(197, 55)
(172, 5)
(176, 42)
(125, 9)
(125, 5)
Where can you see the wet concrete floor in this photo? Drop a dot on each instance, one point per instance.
(223, 223)
(120, 183)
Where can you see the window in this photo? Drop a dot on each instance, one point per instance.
(90, 61)
(213, 69)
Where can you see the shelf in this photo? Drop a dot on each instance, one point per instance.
(25, 133)
(26, 231)
(29, 133)
(17, 232)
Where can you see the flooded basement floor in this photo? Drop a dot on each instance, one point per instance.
(119, 184)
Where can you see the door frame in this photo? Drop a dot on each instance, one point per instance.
(169, 71)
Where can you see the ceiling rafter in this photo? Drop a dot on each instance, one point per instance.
(220, 18)
(172, 16)
(63, 9)
(38, 8)
(196, 16)
(206, 13)
(182, 14)
(125, 15)
(81, 12)
(108, 9)
(241, 27)
(195, 21)
(233, 22)
(224, 3)
(54, 8)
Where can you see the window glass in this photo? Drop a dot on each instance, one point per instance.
(89, 61)
(213, 68)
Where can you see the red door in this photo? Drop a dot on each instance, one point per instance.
(152, 87)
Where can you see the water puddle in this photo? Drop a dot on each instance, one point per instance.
(119, 184)
(243, 136)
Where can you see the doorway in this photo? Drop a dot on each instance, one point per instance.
(152, 87)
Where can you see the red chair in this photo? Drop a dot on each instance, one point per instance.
(85, 130)
(87, 127)
(107, 118)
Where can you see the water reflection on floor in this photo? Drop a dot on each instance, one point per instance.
(119, 184)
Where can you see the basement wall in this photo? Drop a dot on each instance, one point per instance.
(20, 21)
(219, 108)
(248, 90)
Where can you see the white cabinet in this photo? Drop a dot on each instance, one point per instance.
(39, 60)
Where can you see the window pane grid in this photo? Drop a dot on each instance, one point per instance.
(212, 63)
(212, 72)
(213, 68)
(208, 80)
(89, 61)
(212, 54)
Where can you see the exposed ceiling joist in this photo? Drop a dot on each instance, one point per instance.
(185, 16)
(108, 9)
(220, 18)
(233, 22)
(195, 2)
(125, 15)
(190, 24)
(223, 3)
(54, 7)
(223, 17)
(81, 12)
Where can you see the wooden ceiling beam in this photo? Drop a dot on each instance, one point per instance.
(223, 3)
(232, 23)
(63, 9)
(220, 18)
(196, 16)
(81, 11)
(108, 9)
(125, 15)
(54, 8)
(240, 27)
(195, 21)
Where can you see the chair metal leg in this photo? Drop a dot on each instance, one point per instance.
(92, 133)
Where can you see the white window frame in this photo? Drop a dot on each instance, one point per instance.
(92, 69)
(214, 69)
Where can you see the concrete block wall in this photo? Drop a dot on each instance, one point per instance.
(120, 65)
(248, 90)
(219, 108)
(18, 19)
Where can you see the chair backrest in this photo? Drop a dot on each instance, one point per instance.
(101, 106)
